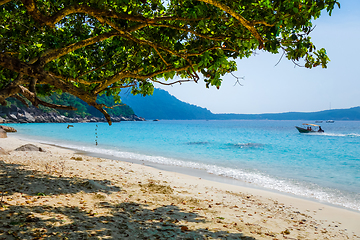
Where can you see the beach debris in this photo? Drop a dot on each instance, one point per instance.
(91, 184)
(156, 188)
(184, 228)
(286, 232)
(3, 152)
(29, 147)
(8, 129)
(77, 158)
(3, 133)
(100, 196)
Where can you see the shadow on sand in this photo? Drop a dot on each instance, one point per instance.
(124, 220)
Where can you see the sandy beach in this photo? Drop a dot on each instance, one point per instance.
(59, 194)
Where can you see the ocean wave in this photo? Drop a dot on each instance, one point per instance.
(309, 190)
(247, 145)
(197, 143)
(336, 134)
(354, 135)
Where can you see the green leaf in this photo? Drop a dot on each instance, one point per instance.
(133, 50)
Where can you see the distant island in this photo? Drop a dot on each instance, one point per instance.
(162, 105)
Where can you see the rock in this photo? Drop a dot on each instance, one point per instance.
(14, 109)
(39, 119)
(8, 129)
(2, 151)
(76, 158)
(32, 114)
(29, 118)
(13, 117)
(22, 121)
(29, 147)
(91, 184)
(3, 133)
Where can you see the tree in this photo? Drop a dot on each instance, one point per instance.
(95, 47)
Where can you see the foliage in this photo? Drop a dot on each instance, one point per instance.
(117, 109)
(83, 109)
(91, 48)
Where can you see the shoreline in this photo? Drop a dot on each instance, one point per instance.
(220, 208)
(203, 174)
(195, 172)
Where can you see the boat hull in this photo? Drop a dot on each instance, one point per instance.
(303, 130)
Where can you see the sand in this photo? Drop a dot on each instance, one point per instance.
(59, 194)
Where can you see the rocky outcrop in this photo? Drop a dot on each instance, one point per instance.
(8, 129)
(3, 133)
(29, 147)
(34, 115)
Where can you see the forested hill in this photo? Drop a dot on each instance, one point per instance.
(16, 111)
(162, 105)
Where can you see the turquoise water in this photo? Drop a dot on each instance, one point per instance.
(268, 154)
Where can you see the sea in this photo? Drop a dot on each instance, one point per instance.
(265, 154)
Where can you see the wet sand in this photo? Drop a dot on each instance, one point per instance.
(58, 194)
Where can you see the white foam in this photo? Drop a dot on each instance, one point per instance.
(309, 190)
(337, 134)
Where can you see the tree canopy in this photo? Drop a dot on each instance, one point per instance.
(95, 47)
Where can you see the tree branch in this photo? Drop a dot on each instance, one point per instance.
(262, 23)
(122, 75)
(238, 17)
(100, 14)
(191, 31)
(22, 100)
(4, 2)
(34, 12)
(11, 88)
(122, 86)
(95, 12)
(35, 101)
(51, 55)
(95, 69)
(44, 76)
(75, 80)
(161, 56)
(172, 83)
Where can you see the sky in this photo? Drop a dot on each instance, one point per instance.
(267, 88)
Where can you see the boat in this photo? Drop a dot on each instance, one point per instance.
(309, 128)
(318, 121)
(330, 121)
